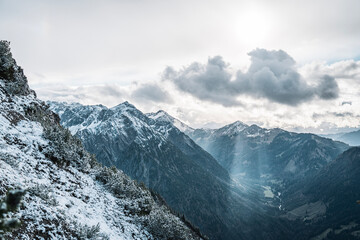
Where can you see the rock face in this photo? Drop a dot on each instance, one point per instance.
(68, 194)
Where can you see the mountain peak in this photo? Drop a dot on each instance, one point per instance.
(232, 128)
(238, 123)
(162, 116)
(123, 106)
(163, 112)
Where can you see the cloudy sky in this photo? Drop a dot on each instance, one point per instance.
(289, 64)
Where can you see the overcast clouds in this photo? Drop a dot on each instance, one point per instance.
(271, 75)
(111, 51)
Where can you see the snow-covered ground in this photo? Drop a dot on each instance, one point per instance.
(58, 200)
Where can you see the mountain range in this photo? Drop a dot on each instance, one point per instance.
(264, 167)
(153, 150)
(253, 151)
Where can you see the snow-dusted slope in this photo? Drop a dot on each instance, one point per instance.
(59, 200)
(68, 194)
(162, 116)
(123, 120)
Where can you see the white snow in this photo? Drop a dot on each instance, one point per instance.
(55, 193)
(165, 117)
(267, 192)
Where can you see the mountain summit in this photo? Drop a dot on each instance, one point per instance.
(162, 116)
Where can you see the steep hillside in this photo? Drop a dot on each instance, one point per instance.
(68, 195)
(169, 128)
(327, 202)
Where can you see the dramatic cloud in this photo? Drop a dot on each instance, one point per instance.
(151, 92)
(271, 75)
(328, 88)
(207, 82)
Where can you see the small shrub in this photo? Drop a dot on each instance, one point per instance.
(85, 232)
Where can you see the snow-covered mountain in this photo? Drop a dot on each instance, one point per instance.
(68, 194)
(150, 148)
(123, 126)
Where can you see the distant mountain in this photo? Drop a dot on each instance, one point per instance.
(68, 195)
(351, 138)
(257, 152)
(150, 148)
(297, 173)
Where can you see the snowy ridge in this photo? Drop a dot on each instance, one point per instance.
(98, 119)
(165, 117)
(68, 194)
